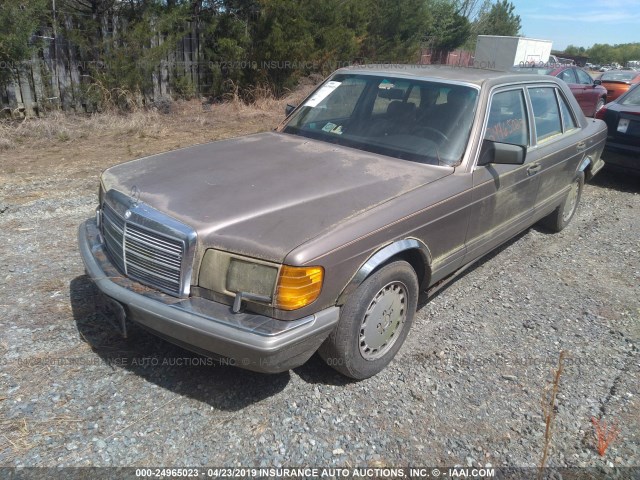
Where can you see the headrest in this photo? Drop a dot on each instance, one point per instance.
(401, 109)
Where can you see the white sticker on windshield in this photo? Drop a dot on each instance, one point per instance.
(322, 94)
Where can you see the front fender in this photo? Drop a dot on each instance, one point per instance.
(381, 257)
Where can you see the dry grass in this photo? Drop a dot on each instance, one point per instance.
(113, 99)
(5, 142)
(74, 145)
(258, 106)
(52, 285)
(15, 435)
(261, 99)
(18, 435)
(61, 128)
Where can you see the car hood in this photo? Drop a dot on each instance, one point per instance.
(265, 194)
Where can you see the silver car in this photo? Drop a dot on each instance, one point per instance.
(319, 236)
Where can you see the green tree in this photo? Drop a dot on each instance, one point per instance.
(605, 53)
(19, 22)
(396, 29)
(339, 28)
(450, 29)
(282, 41)
(628, 51)
(498, 19)
(601, 53)
(468, 8)
(227, 49)
(573, 50)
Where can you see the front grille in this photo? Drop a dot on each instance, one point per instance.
(143, 254)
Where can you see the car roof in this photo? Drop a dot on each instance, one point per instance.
(551, 69)
(469, 75)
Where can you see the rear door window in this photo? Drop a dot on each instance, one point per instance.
(568, 76)
(546, 113)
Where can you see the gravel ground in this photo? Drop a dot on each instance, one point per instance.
(467, 388)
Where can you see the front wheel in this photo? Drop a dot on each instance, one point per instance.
(374, 322)
(561, 216)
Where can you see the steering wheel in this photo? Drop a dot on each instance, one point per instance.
(427, 131)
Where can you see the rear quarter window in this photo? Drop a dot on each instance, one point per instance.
(568, 118)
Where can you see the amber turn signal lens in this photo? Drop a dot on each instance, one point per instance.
(298, 286)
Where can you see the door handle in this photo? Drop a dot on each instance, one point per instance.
(581, 146)
(533, 169)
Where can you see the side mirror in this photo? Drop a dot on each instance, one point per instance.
(289, 108)
(502, 153)
(597, 82)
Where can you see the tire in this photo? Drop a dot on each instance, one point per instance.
(374, 322)
(599, 105)
(561, 216)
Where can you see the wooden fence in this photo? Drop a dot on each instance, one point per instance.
(58, 77)
(459, 58)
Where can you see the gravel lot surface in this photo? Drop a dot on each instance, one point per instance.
(467, 388)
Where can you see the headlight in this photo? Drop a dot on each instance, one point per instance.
(286, 287)
(244, 276)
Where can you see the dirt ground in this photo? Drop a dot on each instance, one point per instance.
(467, 389)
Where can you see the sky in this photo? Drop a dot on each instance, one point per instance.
(580, 22)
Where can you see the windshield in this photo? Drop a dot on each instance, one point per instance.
(618, 76)
(632, 97)
(416, 120)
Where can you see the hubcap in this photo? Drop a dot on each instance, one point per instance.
(572, 200)
(383, 321)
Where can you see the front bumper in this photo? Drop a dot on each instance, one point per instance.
(254, 342)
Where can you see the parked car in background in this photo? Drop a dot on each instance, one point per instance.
(320, 236)
(591, 96)
(622, 117)
(618, 82)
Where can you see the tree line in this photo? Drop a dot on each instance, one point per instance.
(604, 53)
(243, 43)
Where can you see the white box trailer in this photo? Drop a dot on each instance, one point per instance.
(503, 53)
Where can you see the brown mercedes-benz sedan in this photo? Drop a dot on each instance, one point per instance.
(320, 235)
